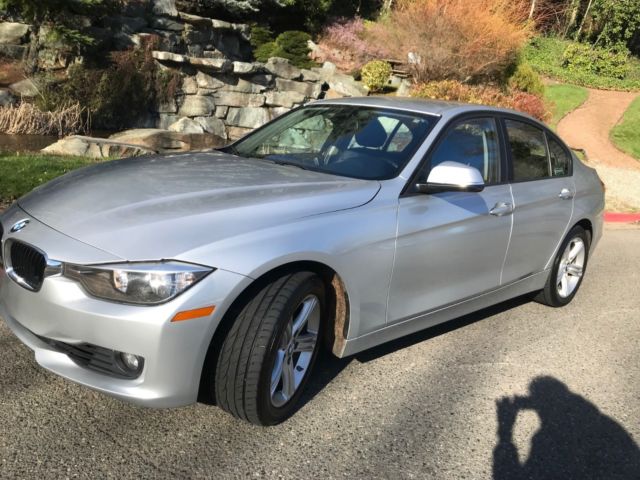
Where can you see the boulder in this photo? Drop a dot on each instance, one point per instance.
(169, 57)
(238, 99)
(258, 84)
(284, 99)
(195, 20)
(13, 33)
(236, 133)
(208, 82)
(165, 141)
(189, 85)
(346, 85)
(277, 111)
(165, 7)
(404, 90)
(196, 106)
(81, 146)
(221, 111)
(309, 90)
(24, 88)
(161, 23)
(213, 125)
(214, 64)
(14, 52)
(166, 119)
(244, 68)
(281, 67)
(166, 107)
(310, 75)
(248, 117)
(125, 24)
(186, 125)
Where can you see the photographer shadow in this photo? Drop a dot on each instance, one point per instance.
(575, 440)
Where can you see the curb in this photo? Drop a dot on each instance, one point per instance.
(611, 217)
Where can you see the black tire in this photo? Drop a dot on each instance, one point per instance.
(549, 294)
(248, 353)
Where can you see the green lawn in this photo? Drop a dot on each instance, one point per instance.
(544, 54)
(19, 174)
(563, 99)
(626, 135)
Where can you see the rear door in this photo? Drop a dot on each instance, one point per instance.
(543, 191)
(452, 245)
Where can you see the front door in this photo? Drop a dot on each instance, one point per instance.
(452, 245)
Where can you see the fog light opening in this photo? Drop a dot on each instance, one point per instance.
(131, 363)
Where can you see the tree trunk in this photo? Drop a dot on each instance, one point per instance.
(533, 9)
(584, 19)
(573, 16)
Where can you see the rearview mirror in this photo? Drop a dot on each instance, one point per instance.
(452, 177)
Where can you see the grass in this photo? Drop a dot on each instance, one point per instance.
(544, 54)
(19, 174)
(626, 135)
(563, 99)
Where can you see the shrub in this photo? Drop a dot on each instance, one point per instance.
(452, 90)
(599, 61)
(260, 35)
(525, 79)
(455, 39)
(345, 43)
(375, 75)
(292, 45)
(27, 119)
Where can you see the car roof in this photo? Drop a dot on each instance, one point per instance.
(419, 105)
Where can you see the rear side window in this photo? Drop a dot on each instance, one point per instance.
(528, 151)
(560, 158)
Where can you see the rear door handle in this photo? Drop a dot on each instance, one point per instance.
(566, 194)
(501, 208)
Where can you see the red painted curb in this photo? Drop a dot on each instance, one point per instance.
(621, 217)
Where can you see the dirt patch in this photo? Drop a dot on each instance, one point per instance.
(588, 128)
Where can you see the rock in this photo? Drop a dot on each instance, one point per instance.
(208, 82)
(81, 146)
(215, 64)
(213, 125)
(236, 133)
(195, 20)
(346, 85)
(189, 85)
(238, 99)
(169, 57)
(194, 36)
(329, 68)
(165, 7)
(310, 75)
(161, 23)
(277, 111)
(284, 99)
(166, 119)
(309, 90)
(196, 106)
(281, 67)
(14, 52)
(124, 24)
(140, 39)
(248, 117)
(186, 125)
(6, 98)
(13, 33)
(123, 41)
(221, 111)
(221, 25)
(24, 88)
(166, 141)
(404, 90)
(244, 68)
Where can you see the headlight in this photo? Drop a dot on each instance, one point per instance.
(137, 283)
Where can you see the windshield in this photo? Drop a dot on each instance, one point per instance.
(348, 140)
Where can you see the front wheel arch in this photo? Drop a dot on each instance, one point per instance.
(336, 325)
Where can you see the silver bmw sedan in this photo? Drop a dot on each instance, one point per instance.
(343, 224)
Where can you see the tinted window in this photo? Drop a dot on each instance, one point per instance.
(474, 143)
(560, 158)
(528, 151)
(354, 141)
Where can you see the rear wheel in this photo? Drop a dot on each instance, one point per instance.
(568, 270)
(270, 350)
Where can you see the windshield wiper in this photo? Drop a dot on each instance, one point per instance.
(282, 162)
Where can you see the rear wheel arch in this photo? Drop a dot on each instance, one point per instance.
(587, 226)
(335, 327)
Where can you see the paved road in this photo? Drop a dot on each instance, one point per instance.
(423, 407)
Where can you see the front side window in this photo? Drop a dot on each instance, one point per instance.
(528, 151)
(471, 142)
(348, 140)
(560, 158)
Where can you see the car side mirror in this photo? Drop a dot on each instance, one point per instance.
(452, 177)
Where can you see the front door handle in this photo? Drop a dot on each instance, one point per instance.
(566, 194)
(501, 208)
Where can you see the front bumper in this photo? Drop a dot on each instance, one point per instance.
(174, 352)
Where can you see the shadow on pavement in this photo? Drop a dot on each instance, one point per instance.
(575, 440)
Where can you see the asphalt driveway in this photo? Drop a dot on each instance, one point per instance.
(428, 406)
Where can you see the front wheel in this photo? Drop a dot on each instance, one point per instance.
(270, 350)
(568, 270)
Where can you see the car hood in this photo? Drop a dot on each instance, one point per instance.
(159, 207)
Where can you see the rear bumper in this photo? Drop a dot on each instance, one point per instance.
(174, 352)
